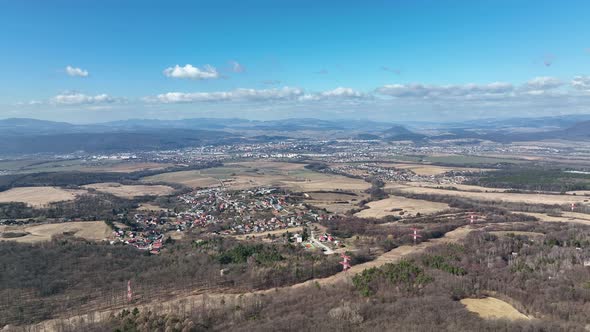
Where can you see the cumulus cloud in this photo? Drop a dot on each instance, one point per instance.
(285, 93)
(191, 72)
(76, 72)
(237, 67)
(444, 91)
(254, 95)
(76, 98)
(543, 83)
(581, 83)
(341, 92)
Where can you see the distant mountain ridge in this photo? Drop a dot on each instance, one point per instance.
(22, 135)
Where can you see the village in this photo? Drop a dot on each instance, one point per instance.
(225, 212)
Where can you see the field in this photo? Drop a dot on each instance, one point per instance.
(427, 170)
(38, 196)
(35, 166)
(89, 230)
(570, 217)
(260, 174)
(399, 206)
(493, 308)
(335, 202)
(130, 191)
(125, 167)
(460, 160)
(490, 196)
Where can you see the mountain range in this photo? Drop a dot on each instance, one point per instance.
(27, 136)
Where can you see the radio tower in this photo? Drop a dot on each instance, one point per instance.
(415, 235)
(129, 292)
(345, 262)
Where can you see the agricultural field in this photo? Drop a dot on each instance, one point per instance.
(89, 230)
(493, 308)
(77, 165)
(38, 196)
(260, 174)
(489, 196)
(335, 202)
(427, 169)
(126, 167)
(460, 160)
(400, 206)
(130, 191)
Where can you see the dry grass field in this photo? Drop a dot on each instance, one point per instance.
(493, 308)
(80, 165)
(579, 193)
(149, 207)
(490, 196)
(245, 175)
(427, 170)
(89, 230)
(130, 191)
(572, 217)
(38, 196)
(399, 206)
(336, 202)
(125, 167)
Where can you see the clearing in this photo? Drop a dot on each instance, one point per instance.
(38, 196)
(89, 230)
(130, 191)
(400, 206)
(335, 202)
(493, 308)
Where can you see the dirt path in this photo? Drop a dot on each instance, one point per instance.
(200, 297)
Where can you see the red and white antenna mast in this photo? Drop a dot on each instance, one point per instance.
(129, 292)
(415, 235)
(345, 262)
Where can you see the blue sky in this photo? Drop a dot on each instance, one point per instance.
(382, 60)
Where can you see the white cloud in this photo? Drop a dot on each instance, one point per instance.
(581, 83)
(76, 72)
(236, 67)
(254, 95)
(75, 98)
(444, 91)
(195, 73)
(543, 83)
(286, 93)
(342, 92)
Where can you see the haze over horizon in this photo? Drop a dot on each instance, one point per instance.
(84, 62)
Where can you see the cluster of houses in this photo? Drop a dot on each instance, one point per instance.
(221, 211)
(150, 240)
(246, 211)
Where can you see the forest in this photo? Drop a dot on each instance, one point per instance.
(537, 268)
(40, 281)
